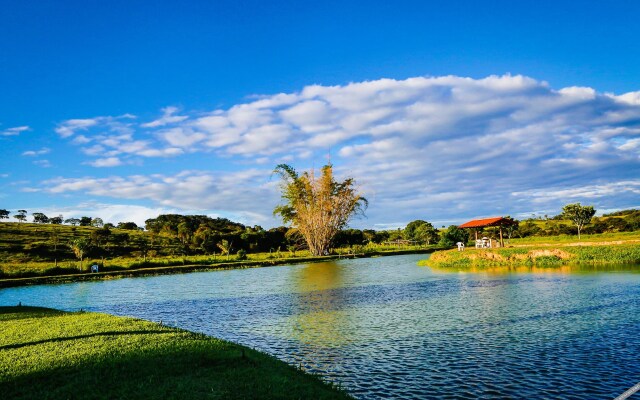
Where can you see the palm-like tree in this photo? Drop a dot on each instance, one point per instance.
(80, 247)
(317, 207)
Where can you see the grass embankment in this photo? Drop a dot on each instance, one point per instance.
(50, 354)
(25, 269)
(543, 255)
(52, 276)
(30, 255)
(585, 240)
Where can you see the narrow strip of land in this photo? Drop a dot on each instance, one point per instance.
(177, 269)
(538, 255)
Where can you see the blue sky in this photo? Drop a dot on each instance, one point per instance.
(443, 111)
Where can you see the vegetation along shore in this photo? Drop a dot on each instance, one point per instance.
(552, 252)
(52, 250)
(53, 354)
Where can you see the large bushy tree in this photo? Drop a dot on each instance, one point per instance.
(317, 207)
(85, 221)
(453, 235)
(578, 214)
(21, 215)
(4, 214)
(421, 231)
(56, 220)
(40, 218)
(72, 221)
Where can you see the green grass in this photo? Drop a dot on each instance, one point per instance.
(26, 251)
(12, 274)
(49, 354)
(538, 256)
(564, 239)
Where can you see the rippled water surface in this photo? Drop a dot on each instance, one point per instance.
(385, 327)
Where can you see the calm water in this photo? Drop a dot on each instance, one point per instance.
(386, 327)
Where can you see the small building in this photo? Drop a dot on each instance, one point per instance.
(479, 224)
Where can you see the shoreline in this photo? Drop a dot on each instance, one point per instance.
(538, 255)
(181, 269)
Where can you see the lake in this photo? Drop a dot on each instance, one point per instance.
(386, 327)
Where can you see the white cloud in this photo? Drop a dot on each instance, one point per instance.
(167, 118)
(32, 153)
(589, 192)
(106, 162)
(424, 147)
(223, 193)
(43, 163)
(15, 131)
(71, 126)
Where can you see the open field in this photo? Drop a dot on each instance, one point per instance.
(614, 248)
(49, 354)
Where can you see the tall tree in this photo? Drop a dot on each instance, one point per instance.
(128, 226)
(453, 235)
(99, 238)
(578, 214)
(40, 218)
(55, 241)
(225, 247)
(4, 214)
(317, 207)
(97, 222)
(184, 232)
(80, 247)
(511, 226)
(21, 215)
(409, 230)
(426, 233)
(56, 220)
(72, 221)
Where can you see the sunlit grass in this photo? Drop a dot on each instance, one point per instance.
(559, 239)
(47, 268)
(51, 354)
(540, 256)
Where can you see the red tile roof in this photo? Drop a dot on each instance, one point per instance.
(481, 223)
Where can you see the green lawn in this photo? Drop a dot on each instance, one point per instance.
(566, 239)
(541, 255)
(49, 354)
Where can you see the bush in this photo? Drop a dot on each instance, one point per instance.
(453, 235)
(242, 254)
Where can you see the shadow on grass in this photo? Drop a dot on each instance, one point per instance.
(142, 364)
(79, 337)
(194, 373)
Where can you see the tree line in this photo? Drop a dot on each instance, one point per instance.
(175, 235)
(41, 218)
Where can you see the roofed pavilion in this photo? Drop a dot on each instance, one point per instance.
(476, 224)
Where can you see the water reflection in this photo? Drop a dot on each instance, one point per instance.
(388, 328)
(319, 319)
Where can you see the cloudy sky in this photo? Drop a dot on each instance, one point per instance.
(443, 111)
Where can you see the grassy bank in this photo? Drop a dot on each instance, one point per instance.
(49, 354)
(543, 255)
(48, 276)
